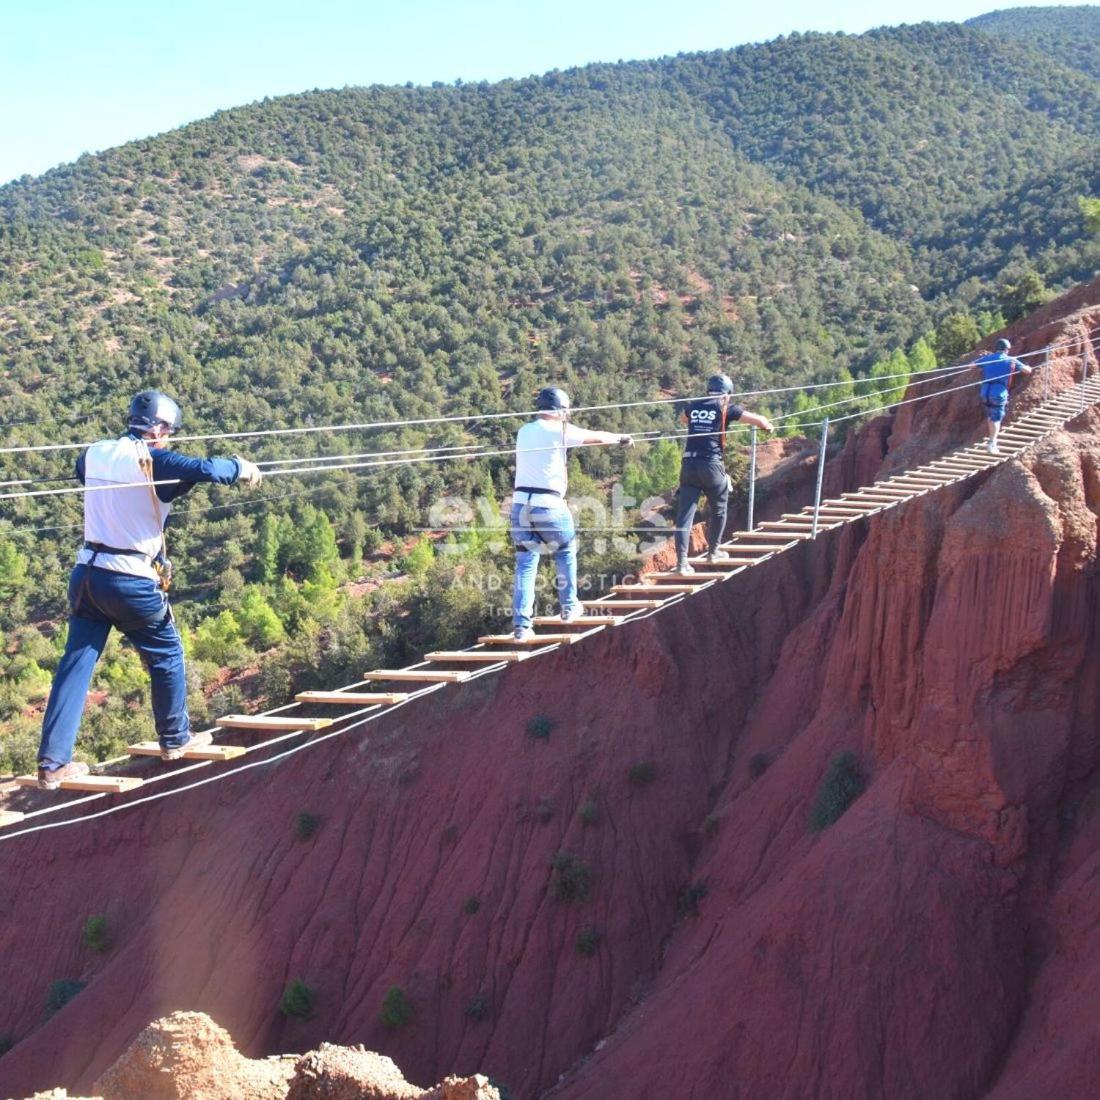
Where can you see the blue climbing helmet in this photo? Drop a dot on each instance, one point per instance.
(720, 384)
(150, 408)
(1004, 345)
(552, 399)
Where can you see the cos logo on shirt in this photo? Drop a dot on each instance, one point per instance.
(703, 416)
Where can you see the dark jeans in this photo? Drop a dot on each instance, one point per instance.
(100, 599)
(707, 476)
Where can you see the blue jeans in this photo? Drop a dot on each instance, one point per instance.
(538, 531)
(100, 599)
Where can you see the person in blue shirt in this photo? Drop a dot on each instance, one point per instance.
(121, 578)
(703, 466)
(997, 370)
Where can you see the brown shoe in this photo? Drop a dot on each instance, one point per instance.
(196, 741)
(50, 780)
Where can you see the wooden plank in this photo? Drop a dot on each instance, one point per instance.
(352, 698)
(584, 620)
(678, 588)
(791, 536)
(472, 656)
(848, 513)
(207, 752)
(538, 639)
(633, 605)
(674, 576)
(724, 563)
(102, 784)
(271, 722)
(417, 675)
(9, 817)
(795, 523)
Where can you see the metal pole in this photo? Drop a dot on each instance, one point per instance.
(820, 472)
(752, 482)
(1084, 372)
(1046, 374)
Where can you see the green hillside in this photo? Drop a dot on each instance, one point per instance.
(786, 212)
(1071, 35)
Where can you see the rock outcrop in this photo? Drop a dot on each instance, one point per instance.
(186, 1056)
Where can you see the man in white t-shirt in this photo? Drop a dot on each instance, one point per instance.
(540, 521)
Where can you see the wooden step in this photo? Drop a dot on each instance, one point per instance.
(727, 563)
(699, 576)
(584, 620)
(9, 817)
(271, 722)
(417, 675)
(473, 656)
(739, 535)
(848, 513)
(632, 605)
(537, 640)
(206, 752)
(352, 698)
(672, 588)
(102, 784)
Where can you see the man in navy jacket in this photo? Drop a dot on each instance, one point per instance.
(120, 578)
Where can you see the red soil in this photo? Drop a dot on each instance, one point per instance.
(942, 939)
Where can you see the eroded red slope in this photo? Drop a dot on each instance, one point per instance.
(936, 941)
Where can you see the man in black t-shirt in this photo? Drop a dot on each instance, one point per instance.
(703, 469)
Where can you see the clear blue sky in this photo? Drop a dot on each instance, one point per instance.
(84, 75)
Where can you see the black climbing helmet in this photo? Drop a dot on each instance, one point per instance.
(150, 408)
(552, 399)
(720, 383)
(1003, 344)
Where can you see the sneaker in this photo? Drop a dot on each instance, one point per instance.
(684, 568)
(717, 555)
(992, 448)
(51, 779)
(195, 741)
(573, 614)
(523, 634)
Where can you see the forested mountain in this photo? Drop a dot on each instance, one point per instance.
(1069, 35)
(795, 210)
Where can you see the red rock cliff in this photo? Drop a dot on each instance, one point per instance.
(941, 939)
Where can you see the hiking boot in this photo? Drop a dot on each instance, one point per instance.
(717, 555)
(523, 634)
(195, 741)
(573, 614)
(684, 567)
(50, 780)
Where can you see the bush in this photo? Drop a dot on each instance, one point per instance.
(687, 903)
(305, 824)
(478, 1008)
(642, 774)
(571, 880)
(96, 937)
(61, 993)
(759, 764)
(842, 785)
(471, 905)
(6, 1043)
(396, 1009)
(297, 1001)
(540, 726)
(589, 812)
(544, 811)
(588, 941)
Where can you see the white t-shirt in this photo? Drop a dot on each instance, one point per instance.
(541, 448)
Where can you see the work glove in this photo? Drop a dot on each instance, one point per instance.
(626, 441)
(250, 474)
